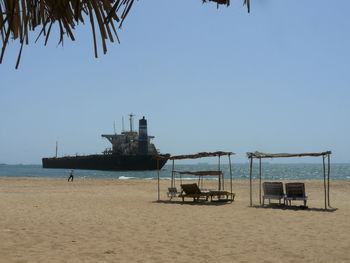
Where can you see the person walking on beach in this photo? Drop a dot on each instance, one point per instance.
(71, 176)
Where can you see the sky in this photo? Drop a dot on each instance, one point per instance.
(206, 79)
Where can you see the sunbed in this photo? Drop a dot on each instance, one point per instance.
(295, 191)
(273, 190)
(221, 193)
(172, 192)
(193, 191)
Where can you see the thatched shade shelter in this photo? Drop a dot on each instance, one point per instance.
(260, 155)
(197, 173)
(19, 17)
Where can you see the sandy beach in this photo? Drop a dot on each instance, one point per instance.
(102, 220)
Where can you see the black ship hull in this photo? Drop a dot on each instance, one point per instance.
(109, 162)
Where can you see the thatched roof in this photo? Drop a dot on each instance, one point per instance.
(227, 2)
(219, 2)
(200, 173)
(19, 17)
(261, 155)
(195, 156)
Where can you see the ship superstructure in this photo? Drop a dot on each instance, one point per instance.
(130, 142)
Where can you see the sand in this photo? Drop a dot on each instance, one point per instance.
(101, 220)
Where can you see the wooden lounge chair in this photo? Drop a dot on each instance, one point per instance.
(192, 191)
(273, 190)
(295, 191)
(172, 192)
(221, 193)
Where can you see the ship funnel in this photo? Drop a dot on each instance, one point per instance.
(143, 137)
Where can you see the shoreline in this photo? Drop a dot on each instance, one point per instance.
(169, 178)
(274, 172)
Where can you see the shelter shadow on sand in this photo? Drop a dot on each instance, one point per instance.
(200, 203)
(295, 208)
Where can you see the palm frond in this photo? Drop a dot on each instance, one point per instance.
(19, 17)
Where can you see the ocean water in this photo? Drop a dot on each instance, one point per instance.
(239, 172)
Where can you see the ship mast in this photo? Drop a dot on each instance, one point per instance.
(130, 119)
(56, 148)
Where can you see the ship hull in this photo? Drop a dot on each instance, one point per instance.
(105, 162)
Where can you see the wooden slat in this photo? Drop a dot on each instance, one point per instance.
(196, 156)
(199, 173)
(284, 155)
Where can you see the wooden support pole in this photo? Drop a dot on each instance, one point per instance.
(223, 181)
(260, 180)
(158, 180)
(250, 181)
(173, 175)
(324, 183)
(219, 174)
(329, 172)
(229, 161)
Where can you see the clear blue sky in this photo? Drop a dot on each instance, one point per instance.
(207, 79)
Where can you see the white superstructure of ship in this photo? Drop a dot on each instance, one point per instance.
(131, 142)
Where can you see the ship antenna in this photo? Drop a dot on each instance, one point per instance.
(114, 127)
(123, 124)
(131, 115)
(56, 148)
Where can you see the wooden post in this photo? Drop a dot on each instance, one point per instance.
(324, 183)
(172, 175)
(229, 161)
(223, 180)
(158, 179)
(260, 180)
(250, 180)
(329, 172)
(219, 174)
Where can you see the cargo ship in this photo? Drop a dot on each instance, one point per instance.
(131, 150)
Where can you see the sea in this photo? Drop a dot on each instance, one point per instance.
(239, 172)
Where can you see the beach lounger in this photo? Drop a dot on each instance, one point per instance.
(273, 190)
(295, 191)
(192, 191)
(221, 193)
(172, 192)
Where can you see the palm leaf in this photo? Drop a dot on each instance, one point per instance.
(19, 17)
